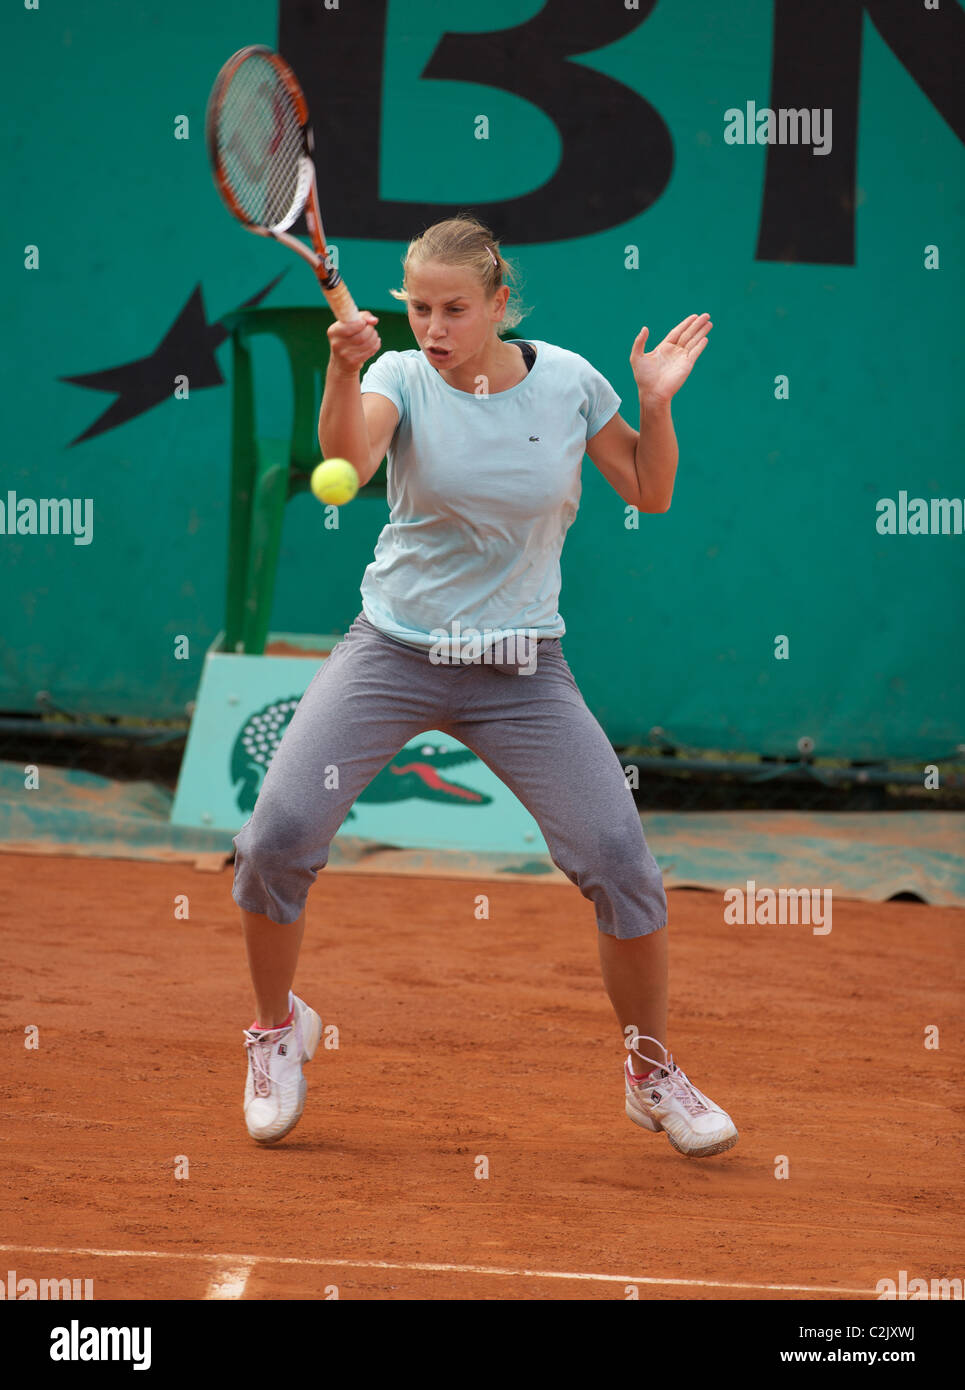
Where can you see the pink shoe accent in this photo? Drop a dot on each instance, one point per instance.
(288, 1022)
(645, 1077)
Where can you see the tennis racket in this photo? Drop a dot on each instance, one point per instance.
(260, 145)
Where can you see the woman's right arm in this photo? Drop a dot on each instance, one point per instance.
(343, 430)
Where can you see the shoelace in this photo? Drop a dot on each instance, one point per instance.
(686, 1094)
(672, 1076)
(259, 1047)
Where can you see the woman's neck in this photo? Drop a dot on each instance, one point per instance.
(502, 368)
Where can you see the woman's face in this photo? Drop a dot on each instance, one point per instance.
(451, 316)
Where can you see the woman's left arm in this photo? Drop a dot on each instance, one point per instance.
(642, 465)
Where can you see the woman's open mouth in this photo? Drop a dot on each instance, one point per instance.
(438, 354)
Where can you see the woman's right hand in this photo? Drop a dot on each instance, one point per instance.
(352, 344)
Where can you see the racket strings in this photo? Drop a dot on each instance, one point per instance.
(261, 145)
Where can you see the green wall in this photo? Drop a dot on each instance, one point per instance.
(773, 524)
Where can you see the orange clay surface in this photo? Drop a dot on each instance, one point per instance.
(448, 1027)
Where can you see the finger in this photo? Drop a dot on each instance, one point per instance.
(364, 353)
(640, 340)
(694, 329)
(699, 337)
(674, 335)
(356, 351)
(694, 352)
(351, 328)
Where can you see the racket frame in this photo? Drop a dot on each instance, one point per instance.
(306, 198)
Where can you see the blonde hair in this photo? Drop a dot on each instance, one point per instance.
(467, 244)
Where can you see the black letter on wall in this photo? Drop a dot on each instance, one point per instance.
(617, 153)
(809, 200)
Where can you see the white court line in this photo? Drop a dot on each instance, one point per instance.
(235, 1261)
(230, 1281)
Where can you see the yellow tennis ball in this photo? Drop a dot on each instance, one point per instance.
(335, 481)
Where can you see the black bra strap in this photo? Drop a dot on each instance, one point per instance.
(529, 353)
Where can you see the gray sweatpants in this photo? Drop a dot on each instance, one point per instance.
(372, 695)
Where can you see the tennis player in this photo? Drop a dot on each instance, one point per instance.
(460, 631)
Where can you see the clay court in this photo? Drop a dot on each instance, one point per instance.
(446, 1025)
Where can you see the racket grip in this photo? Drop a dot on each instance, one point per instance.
(340, 302)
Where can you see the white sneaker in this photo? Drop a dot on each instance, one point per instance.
(665, 1099)
(275, 1089)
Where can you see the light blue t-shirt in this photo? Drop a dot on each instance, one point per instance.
(481, 492)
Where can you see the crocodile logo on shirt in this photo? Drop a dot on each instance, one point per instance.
(534, 439)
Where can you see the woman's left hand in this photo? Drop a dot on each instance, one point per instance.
(661, 373)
